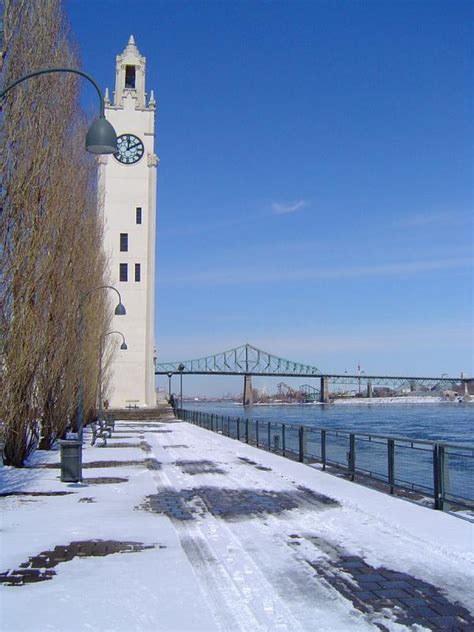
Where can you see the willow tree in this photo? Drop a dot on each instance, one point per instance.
(51, 236)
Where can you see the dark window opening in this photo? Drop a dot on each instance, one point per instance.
(139, 214)
(124, 272)
(130, 77)
(137, 272)
(123, 242)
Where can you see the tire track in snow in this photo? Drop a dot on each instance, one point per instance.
(230, 577)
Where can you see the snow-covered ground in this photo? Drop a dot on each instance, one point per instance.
(247, 572)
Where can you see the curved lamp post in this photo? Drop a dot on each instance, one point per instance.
(123, 347)
(181, 368)
(119, 311)
(101, 137)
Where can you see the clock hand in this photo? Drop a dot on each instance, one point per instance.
(135, 144)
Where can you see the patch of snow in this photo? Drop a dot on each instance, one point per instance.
(242, 574)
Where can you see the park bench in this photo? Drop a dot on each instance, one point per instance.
(102, 429)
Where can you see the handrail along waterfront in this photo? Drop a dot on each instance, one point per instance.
(440, 469)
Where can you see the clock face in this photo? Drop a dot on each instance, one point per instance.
(130, 149)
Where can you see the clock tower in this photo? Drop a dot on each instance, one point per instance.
(128, 198)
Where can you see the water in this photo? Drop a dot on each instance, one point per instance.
(451, 422)
(413, 461)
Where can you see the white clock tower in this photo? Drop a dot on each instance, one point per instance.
(128, 196)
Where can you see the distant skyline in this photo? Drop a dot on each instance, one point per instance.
(315, 193)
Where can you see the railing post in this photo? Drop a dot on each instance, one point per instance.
(238, 428)
(256, 432)
(438, 474)
(391, 463)
(269, 432)
(246, 431)
(301, 443)
(276, 443)
(283, 439)
(352, 455)
(323, 448)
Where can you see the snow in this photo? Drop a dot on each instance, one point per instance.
(215, 573)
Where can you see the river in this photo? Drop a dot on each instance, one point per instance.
(451, 422)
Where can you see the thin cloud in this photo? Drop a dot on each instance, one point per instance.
(249, 275)
(283, 209)
(428, 219)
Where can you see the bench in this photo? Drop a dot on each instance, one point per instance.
(102, 429)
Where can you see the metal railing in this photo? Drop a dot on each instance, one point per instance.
(443, 471)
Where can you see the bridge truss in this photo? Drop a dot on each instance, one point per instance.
(249, 360)
(244, 360)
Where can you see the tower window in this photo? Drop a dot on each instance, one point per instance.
(123, 242)
(139, 214)
(137, 272)
(130, 77)
(123, 272)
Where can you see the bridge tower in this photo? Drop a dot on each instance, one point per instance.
(248, 393)
(128, 197)
(324, 390)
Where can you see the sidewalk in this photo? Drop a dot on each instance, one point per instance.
(176, 528)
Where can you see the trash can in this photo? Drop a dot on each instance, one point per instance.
(71, 460)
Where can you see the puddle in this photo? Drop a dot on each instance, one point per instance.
(232, 503)
(39, 568)
(199, 467)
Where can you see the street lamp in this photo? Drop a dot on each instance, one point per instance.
(181, 368)
(101, 137)
(123, 347)
(119, 311)
(170, 375)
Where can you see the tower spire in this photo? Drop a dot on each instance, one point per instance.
(130, 77)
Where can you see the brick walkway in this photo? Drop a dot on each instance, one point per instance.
(218, 504)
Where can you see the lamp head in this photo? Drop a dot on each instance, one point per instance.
(181, 368)
(123, 346)
(120, 310)
(101, 137)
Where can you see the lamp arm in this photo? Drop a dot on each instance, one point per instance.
(100, 287)
(114, 332)
(45, 71)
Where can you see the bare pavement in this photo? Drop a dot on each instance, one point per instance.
(176, 528)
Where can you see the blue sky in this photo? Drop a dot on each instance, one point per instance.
(315, 188)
